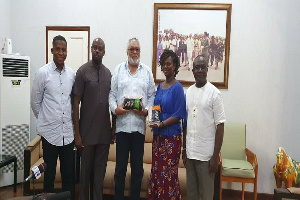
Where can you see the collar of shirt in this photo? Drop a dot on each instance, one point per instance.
(95, 66)
(53, 66)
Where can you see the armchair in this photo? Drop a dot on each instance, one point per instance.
(237, 163)
(33, 156)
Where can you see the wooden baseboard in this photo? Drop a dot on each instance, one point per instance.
(248, 195)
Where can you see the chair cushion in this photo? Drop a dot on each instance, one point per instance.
(147, 153)
(112, 153)
(237, 168)
(234, 141)
(149, 135)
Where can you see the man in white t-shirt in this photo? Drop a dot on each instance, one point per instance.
(203, 135)
(165, 43)
(172, 43)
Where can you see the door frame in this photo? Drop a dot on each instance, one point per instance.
(67, 28)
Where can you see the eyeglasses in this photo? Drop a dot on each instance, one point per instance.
(134, 49)
(199, 68)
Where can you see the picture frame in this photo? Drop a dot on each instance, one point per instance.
(179, 26)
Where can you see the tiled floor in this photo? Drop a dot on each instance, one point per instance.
(7, 193)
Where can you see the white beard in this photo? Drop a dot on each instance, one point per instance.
(132, 61)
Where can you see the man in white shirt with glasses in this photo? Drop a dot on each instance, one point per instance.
(133, 79)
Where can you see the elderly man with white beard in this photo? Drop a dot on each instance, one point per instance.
(135, 80)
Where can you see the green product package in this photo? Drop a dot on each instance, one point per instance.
(133, 103)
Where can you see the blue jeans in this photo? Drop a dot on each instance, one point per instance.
(133, 143)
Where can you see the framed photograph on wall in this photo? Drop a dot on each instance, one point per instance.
(191, 30)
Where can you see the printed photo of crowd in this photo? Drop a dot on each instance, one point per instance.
(188, 47)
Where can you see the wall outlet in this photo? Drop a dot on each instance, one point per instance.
(2, 45)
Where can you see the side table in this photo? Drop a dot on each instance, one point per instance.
(6, 160)
(280, 193)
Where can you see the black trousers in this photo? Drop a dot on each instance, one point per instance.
(133, 143)
(93, 168)
(66, 156)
